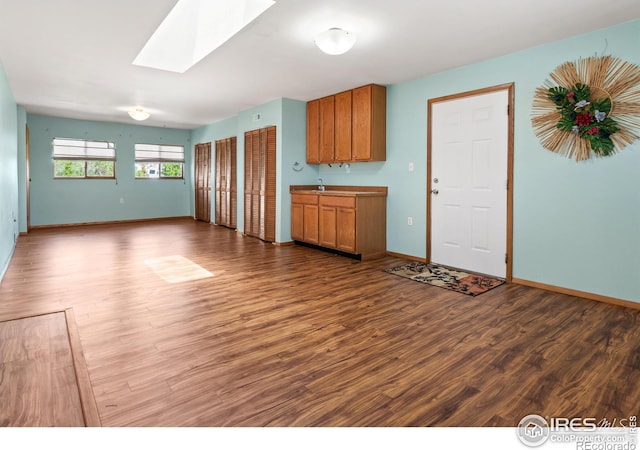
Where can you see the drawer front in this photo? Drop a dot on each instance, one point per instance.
(340, 202)
(304, 199)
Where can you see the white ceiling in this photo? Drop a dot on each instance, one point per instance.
(73, 58)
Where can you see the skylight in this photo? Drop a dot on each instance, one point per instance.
(195, 28)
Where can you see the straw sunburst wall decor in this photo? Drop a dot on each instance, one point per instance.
(590, 107)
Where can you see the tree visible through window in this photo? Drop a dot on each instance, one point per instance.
(159, 161)
(76, 158)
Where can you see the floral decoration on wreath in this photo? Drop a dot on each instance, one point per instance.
(589, 108)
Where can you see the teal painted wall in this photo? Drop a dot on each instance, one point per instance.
(216, 131)
(8, 172)
(211, 133)
(22, 169)
(79, 201)
(294, 149)
(575, 224)
(289, 118)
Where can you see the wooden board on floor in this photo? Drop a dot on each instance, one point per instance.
(39, 383)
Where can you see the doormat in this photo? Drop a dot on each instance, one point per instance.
(444, 277)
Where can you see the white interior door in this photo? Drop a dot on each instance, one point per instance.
(469, 159)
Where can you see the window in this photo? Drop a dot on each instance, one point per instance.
(159, 161)
(76, 158)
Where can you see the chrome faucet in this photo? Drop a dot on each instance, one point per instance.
(321, 187)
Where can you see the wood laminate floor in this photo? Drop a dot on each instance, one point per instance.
(293, 336)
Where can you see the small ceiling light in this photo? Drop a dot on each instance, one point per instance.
(335, 41)
(138, 113)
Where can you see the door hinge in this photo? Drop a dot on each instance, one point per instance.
(508, 109)
(506, 258)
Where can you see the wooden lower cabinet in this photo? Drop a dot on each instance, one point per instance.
(328, 222)
(304, 218)
(297, 221)
(311, 234)
(351, 222)
(338, 228)
(346, 229)
(338, 222)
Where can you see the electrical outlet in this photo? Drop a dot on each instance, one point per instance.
(411, 167)
(410, 221)
(121, 200)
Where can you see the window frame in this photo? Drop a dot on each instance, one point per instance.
(89, 156)
(159, 160)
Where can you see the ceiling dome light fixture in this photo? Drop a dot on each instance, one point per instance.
(335, 41)
(138, 113)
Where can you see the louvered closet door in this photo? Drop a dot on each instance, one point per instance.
(232, 190)
(203, 182)
(222, 174)
(260, 183)
(255, 184)
(252, 183)
(248, 182)
(268, 193)
(226, 192)
(218, 194)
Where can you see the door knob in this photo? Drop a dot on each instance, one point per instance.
(434, 191)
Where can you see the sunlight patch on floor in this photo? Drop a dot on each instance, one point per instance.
(177, 269)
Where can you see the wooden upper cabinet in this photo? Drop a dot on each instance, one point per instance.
(342, 127)
(348, 127)
(369, 123)
(313, 132)
(327, 134)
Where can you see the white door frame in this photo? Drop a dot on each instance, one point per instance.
(510, 88)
